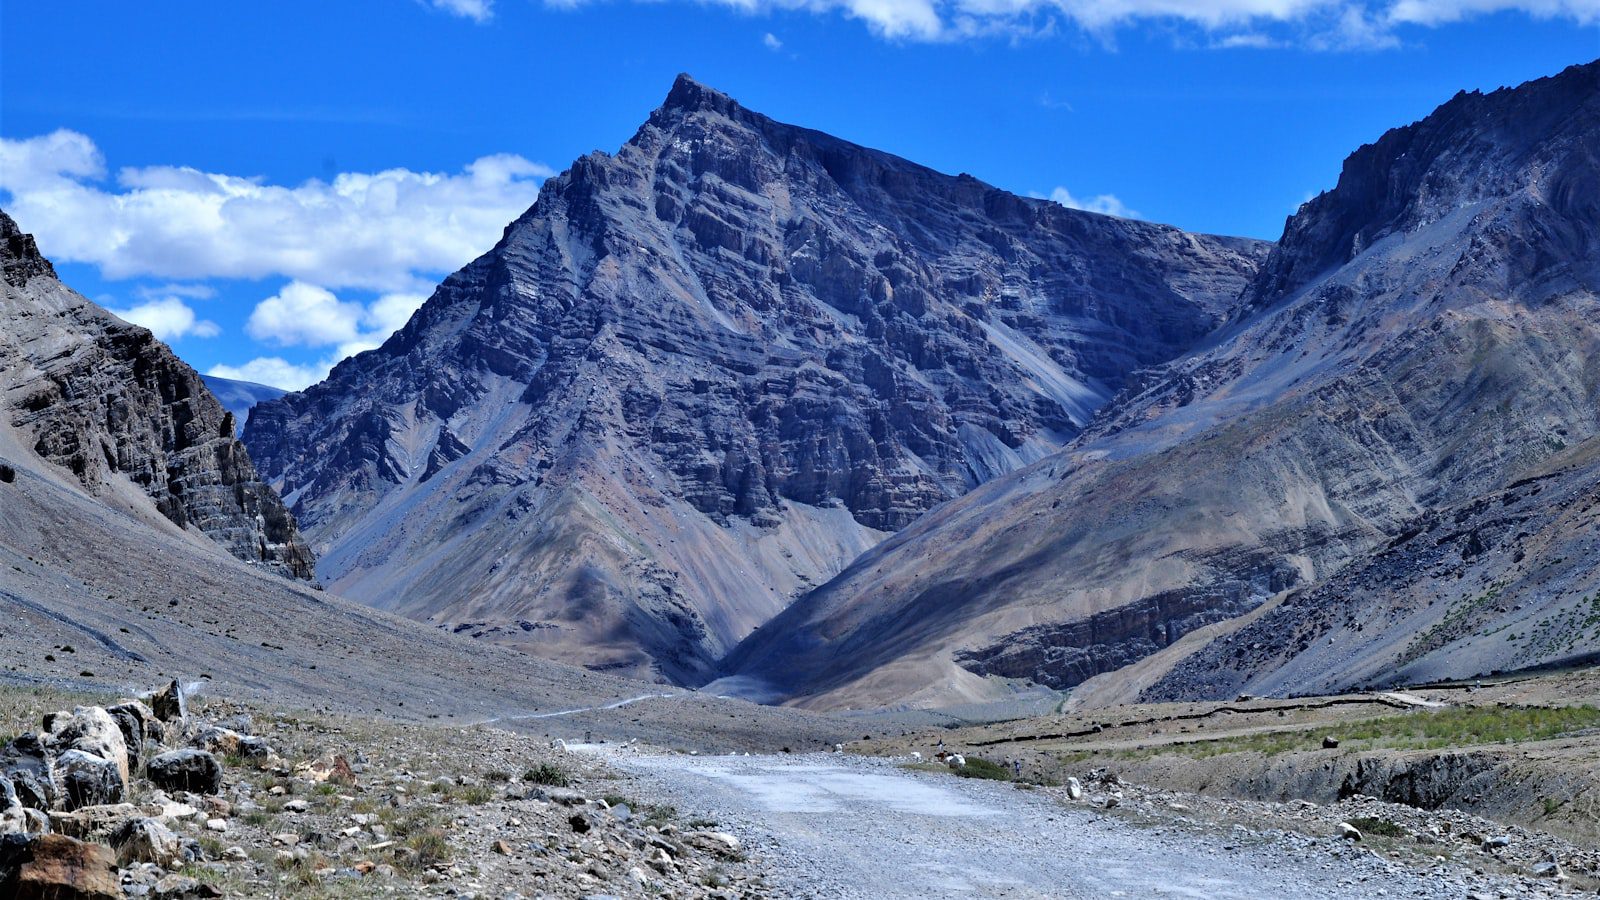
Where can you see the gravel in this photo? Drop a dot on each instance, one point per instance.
(835, 825)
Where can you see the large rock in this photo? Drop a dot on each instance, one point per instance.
(169, 703)
(186, 770)
(138, 724)
(92, 730)
(25, 763)
(56, 867)
(88, 780)
(94, 823)
(145, 840)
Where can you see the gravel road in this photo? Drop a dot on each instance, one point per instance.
(847, 826)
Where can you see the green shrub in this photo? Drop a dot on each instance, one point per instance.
(982, 768)
(547, 774)
(1384, 827)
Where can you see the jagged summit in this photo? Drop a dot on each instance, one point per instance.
(701, 374)
(19, 255)
(689, 94)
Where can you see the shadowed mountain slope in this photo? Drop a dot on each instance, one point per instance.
(1424, 334)
(703, 374)
(108, 404)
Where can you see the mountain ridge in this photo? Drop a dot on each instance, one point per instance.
(722, 362)
(1374, 371)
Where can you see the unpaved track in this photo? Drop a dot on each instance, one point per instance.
(844, 826)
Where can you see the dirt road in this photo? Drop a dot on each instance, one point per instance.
(846, 826)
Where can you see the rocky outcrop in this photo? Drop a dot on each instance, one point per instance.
(108, 403)
(702, 374)
(1421, 336)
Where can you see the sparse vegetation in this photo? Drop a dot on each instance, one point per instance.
(547, 774)
(1420, 730)
(982, 768)
(1382, 827)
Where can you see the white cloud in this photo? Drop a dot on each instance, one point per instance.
(275, 372)
(477, 10)
(1439, 12)
(771, 42)
(1317, 24)
(379, 231)
(305, 315)
(169, 318)
(1107, 204)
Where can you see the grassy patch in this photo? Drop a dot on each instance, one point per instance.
(982, 768)
(549, 775)
(1421, 730)
(1383, 827)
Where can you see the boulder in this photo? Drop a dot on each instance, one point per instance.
(94, 823)
(190, 770)
(1349, 832)
(91, 730)
(138, 724)
(147, 840)
(25, 763)
(214, 739)
(1074, 788)
(169, 703)
(85, 779)
(717, 843)
(56, 867)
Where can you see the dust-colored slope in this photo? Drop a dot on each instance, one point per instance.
(1424, 333)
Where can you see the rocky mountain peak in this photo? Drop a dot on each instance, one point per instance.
(19, 255)
(688, 94)
(1475, 146)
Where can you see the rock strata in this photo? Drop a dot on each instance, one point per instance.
(110, 405)
(703, 373)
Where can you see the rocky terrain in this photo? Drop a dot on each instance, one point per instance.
(704, 373)
(160, 801)
(113, 408)
(1419, 343)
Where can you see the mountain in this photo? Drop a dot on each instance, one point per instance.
(238, 397)
(129, 561)
(703, 374)
(1421, 340)
(111, 408)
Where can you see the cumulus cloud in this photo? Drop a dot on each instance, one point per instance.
(1107, 204)
(275, 372)
(1318, 24)
(169, 318)
(477, 10)
(378, 231)
(305, 315)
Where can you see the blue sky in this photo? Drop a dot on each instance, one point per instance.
(274, 185)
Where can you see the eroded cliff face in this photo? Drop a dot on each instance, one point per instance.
(701, 375)
(1424, 334)
(112, 406)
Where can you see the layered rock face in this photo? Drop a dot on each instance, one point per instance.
(701, 375)
(1423, 335)
(111, 405)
